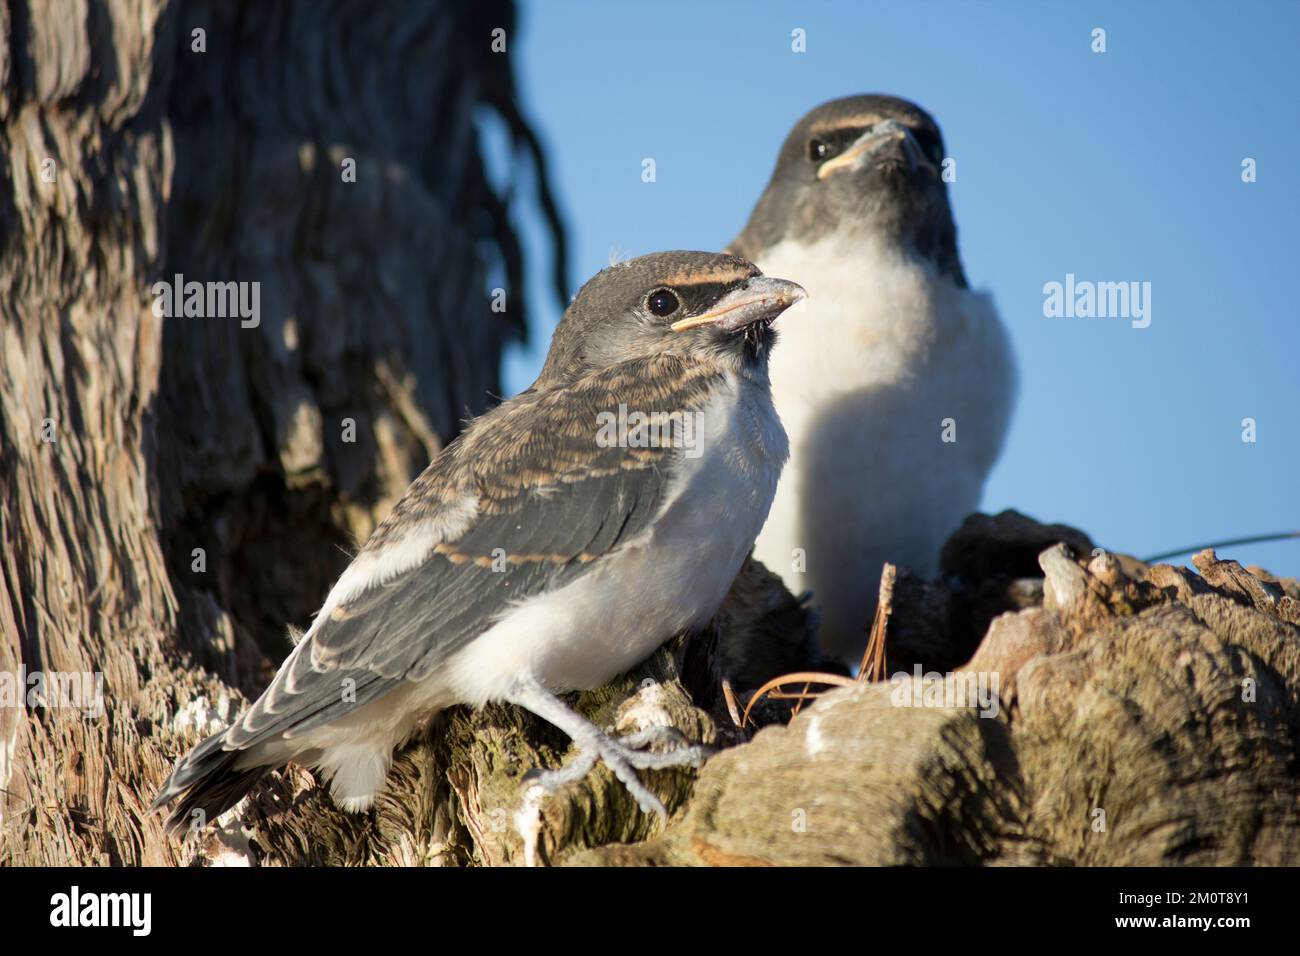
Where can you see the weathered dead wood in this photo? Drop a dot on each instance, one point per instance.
(1137, 724)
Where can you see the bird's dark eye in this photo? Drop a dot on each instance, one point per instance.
(928, 140)
(818, 150)
(662, 302)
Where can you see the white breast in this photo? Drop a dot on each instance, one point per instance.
(864, 374)
(673, 577)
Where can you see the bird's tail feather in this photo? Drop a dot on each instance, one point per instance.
(210, 782)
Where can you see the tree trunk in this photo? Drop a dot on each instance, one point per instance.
(178, 488)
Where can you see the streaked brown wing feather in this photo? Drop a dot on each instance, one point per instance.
(551, 500)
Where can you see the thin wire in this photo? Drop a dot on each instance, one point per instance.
(1230, 543)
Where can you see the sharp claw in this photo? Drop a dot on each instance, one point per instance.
(620, 756)
(645, 799)
(623, 760)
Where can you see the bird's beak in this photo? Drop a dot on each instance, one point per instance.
(866, 145)
(757, 299)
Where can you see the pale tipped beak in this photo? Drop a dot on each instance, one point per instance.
(758, 299)
(866, 145)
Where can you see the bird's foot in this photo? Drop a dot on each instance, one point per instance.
(624, 757)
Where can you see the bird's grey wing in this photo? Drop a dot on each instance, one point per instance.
(549, 497)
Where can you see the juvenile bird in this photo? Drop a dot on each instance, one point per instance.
(896, 383)
(556, 543)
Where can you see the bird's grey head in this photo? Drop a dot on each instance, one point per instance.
(861, 165)
(693, 304)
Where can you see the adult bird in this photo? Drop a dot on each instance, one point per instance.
(556, 543)
(896, 383)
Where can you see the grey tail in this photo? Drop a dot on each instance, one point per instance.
(210, 782)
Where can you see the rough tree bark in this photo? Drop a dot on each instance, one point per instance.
(178, 490)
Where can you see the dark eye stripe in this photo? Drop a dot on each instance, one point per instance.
(701, 296)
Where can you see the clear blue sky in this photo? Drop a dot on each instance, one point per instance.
(1117, 166)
